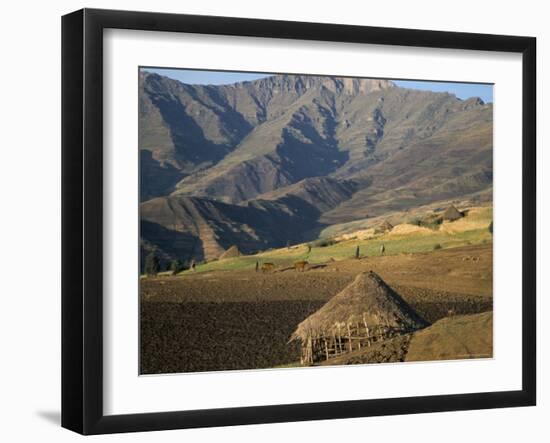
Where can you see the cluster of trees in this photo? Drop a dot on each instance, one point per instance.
(323, 243)
(432, 221)
(153, 266)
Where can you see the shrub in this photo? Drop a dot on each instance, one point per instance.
(431, 222)
(176, 266)
(437, 246)
(323, 243)
(152, 264)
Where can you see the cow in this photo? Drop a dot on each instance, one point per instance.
(267, 267)
(301, 265)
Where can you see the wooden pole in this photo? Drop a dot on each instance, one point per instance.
(339, 339)
(366, 329)
(349, 339)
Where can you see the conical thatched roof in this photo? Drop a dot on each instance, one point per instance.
(451, 213)
(385, 226)
(367, 299)
(232, 252)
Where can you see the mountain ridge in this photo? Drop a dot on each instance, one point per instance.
(324, 149)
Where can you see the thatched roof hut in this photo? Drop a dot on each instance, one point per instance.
(232, 252)
(452, 214)
(385, 226)
(365, 311)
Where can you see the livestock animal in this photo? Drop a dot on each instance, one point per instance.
(301, 265)
(267, 267)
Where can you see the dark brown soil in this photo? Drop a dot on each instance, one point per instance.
(243, 320)
(190, 337)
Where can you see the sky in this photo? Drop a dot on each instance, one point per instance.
(207, 77)
(461, 90)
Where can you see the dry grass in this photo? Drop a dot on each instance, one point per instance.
(361, 234)
(408, 229)
(452, 338)
(477, 218)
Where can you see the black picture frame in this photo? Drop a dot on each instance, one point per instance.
(82, 217)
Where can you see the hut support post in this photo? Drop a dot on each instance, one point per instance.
(309, 351)
(367, 330)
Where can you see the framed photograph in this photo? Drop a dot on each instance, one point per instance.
(270, 221)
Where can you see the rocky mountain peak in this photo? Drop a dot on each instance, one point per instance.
(355, 86)
(282, 83)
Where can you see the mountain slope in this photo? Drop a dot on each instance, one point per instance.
(322, 193)
(183, 127)
(304, 127)
(200, 229)
(269, 133)
(455, 161)
(298, 141)
(260, 163)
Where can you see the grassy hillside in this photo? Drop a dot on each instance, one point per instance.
(471, 230)
(482, 215)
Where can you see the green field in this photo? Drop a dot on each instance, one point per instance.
(394, 244)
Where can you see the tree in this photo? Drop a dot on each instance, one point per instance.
(176, 266)
(357, 252)
(152, 264)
